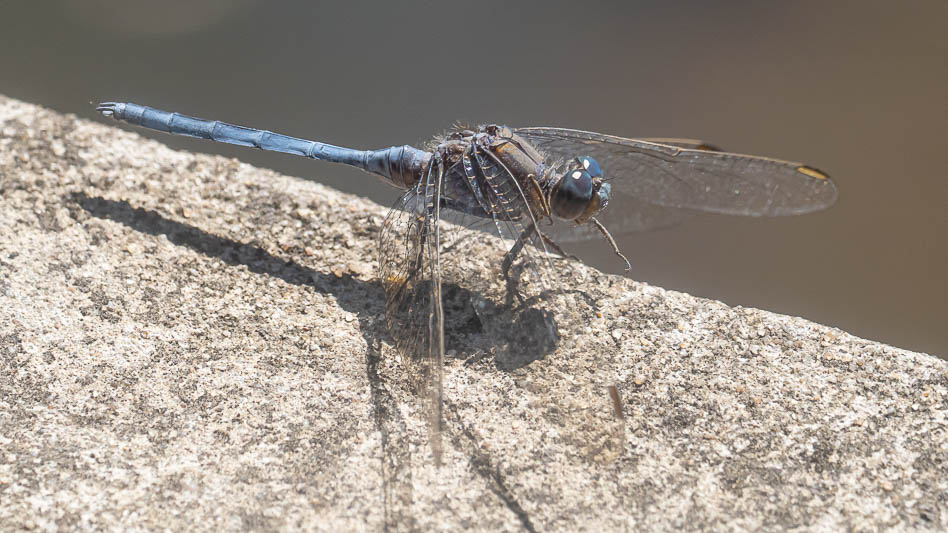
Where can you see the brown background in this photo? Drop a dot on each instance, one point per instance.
(854, 88)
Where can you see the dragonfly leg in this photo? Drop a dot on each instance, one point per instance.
(556, 247)
(509, 257)
(612, 242)
(515, 250)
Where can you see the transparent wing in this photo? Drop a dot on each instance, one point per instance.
(622, 216)
(687, 174)
(418, 239)
(410, 269)
(694, 144)
(417, 243)
(435, 356)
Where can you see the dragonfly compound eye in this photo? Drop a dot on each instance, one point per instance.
(572, 194)
(591, 165)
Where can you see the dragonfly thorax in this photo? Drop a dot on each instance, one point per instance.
(575, 191)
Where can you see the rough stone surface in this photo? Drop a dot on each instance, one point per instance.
(188, 342)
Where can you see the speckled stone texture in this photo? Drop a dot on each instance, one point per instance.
(188, 342)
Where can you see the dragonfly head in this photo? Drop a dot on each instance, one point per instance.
(580, 193)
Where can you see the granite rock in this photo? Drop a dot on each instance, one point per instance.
(189, 342)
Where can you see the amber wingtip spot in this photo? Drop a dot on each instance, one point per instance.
(708, 147)
(812, 172)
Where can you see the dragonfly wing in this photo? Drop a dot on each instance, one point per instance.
(410, 269)
(435, 355)
(694, 144)
(684, 175)
(634, 215)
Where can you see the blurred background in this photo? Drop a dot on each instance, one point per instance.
(858, 89)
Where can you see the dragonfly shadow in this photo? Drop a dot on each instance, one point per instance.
(365, 302)
(475, 326)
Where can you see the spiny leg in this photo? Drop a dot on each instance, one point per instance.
(615, 247)
(511, 256)
(514, 251)
(556, 247)
(512, 289)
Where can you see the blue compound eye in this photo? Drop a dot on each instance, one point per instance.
(572, 194)
(590, 165)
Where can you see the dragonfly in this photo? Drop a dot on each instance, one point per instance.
(534, 187)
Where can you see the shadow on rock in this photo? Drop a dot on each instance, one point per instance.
(474, 325)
